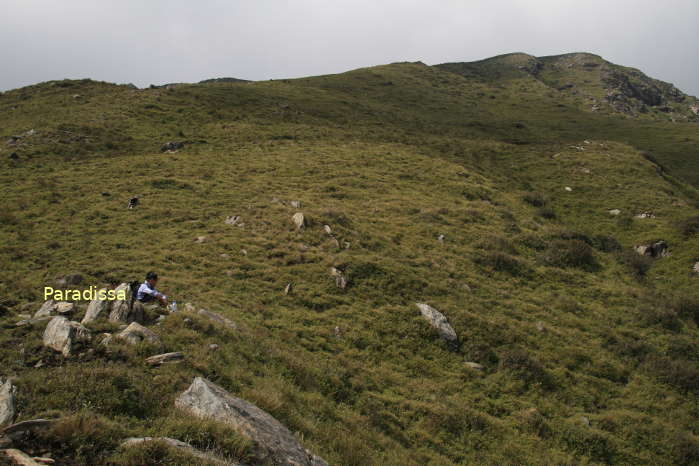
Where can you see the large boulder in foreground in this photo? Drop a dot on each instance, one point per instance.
(7, 402)
(274, 443)
(61, 335)
(439, 322)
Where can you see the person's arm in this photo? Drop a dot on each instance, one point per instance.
(162, 299)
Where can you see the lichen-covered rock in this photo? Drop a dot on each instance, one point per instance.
(126, 310)
(438, 321)
(136, 333)
(165, 358)
(274, 443)
(218, 318)
(299, 220)
(62, 334)
(7, 402)
(96, 309)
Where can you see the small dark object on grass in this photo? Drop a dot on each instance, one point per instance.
(133, 202)
(14, 156)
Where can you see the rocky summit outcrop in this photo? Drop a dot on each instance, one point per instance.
(7, 402)
(96, 309)
(126, 310)
(274, 443)
(62, 334)
(439, 322)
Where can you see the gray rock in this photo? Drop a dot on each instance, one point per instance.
(438, 321)
(207, 457)
(61, 335)
(136, 333)
(273, 443)
(654, 250)
(540, 326)
(288, 288)
(219, 319)
(213, 347)
(68, 280)
(189, 307)
(474, 365)
(295, 204)
(171, 146)
(200, 239)
(96, 309)
(126, 310)
(7, 402)
(614, 212)
(33, 321)
(341, 279)
(52, 308)
(327, 229)
(299, 220)
(165, 358)
(233, 220)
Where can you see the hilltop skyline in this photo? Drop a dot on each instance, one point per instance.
(160, 43)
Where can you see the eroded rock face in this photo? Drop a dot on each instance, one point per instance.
(52, 308)
(96, 309)
(274, 443)
(165, 358)
(439, 322)
(61, 335)
(136, 333)
(7, 402)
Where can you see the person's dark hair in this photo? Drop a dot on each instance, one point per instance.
(151, 276)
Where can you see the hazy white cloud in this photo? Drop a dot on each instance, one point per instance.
(158, 41)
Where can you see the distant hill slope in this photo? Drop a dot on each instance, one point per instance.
(502, 202)
(598, 84)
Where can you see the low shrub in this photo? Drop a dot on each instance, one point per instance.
(570, 253)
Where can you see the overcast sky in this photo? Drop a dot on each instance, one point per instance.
(159, 41)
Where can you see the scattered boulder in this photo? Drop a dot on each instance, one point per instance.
(62, 334)
(273, 443)
(654, 250)
(7, 402)
(32, 425)
(568, 188)
(68, 280)
(171, 146)
(288, 289)
(614, 212)
(218, 318)
(165, 358)
(473, 365)
(645, 215)
(540, 326)
(328, 230)
(189, 307)
(96, 309)
(200, 239)
(340, 277)
(439, 322)
(19, 457)
(52, 308)
(299, 220)
(136, 333)
(213, 347)
(126, 310)
(696, 267)
(295, 204)
(440, 238)
(208, 458)
(233, 220)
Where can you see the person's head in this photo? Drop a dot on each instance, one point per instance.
(152, 278)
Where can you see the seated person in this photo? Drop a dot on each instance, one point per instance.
(147, 292)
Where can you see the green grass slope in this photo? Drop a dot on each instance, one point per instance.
(589, 351)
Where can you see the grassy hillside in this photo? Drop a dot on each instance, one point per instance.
(589, 351)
